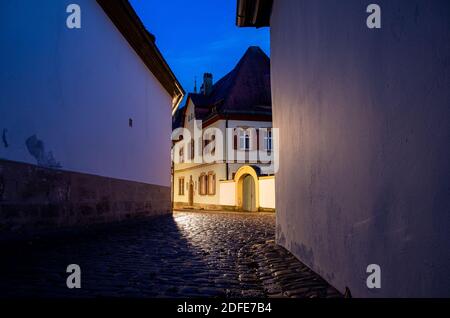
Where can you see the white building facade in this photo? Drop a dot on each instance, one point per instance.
(229, 183)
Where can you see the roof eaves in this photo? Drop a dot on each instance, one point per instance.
(253, 13)
(128, 23)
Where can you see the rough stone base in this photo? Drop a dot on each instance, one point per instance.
(279, 274)
(34, 198)
(212, 207)
(208, 207)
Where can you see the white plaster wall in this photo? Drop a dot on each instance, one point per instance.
(221, 125)
(76, 89)
(218, 169)
(233, 167)
(252, 124)
(227, 193)
(189, 119)
(364, 120)
(189, 125)
(267, 193)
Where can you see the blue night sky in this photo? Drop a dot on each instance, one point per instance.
(199, 36)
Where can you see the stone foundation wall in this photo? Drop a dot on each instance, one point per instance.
(213, 207)
(34, 198)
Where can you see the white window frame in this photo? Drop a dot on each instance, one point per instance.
(268, 140)
(244, 140)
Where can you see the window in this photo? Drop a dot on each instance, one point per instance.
(192, 149)
(211, 183)
(203, 183)
(268, 140)
(181, 186)
(244, 140)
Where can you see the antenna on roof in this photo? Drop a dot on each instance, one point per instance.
(195, 85)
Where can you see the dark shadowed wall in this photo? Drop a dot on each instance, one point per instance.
(34, 199)
(364, 121)
(82, 101)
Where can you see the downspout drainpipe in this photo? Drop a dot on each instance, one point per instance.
(172, 172)
(226, 147)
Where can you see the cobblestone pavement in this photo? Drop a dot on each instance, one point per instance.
(185, 255)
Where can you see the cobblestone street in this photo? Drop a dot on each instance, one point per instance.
(185, 255)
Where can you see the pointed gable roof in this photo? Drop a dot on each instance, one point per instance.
(247, 87)
(243, 91)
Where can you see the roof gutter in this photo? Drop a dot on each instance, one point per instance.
(253, 13)
(177, 101)
(240, 14)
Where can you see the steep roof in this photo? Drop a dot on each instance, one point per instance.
(243, 91)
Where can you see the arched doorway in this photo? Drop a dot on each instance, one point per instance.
(247, 189)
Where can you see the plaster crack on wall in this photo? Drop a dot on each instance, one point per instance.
(36, 148)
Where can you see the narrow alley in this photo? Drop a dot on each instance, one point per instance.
(189, 254)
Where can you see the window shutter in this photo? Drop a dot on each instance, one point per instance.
(257, 139)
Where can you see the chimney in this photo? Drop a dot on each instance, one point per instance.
(207, 83)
